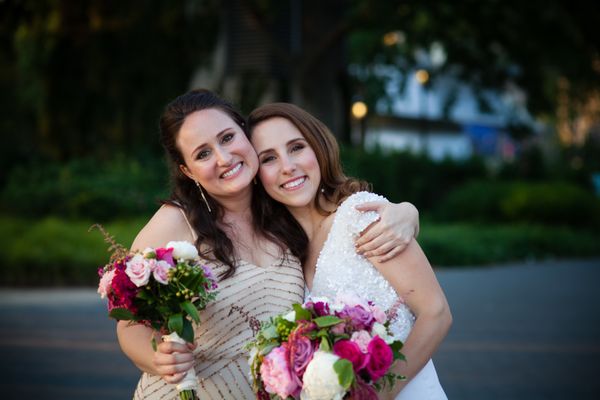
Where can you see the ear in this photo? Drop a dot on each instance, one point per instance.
(186, 171)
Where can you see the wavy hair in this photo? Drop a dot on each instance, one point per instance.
(334, 185)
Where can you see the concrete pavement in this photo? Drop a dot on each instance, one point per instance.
(522, 331)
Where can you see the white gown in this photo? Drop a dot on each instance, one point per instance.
(340, 269)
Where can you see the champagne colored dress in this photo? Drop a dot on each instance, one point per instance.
(221, 360)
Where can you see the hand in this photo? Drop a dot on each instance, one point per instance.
(387, 237)
(173, 360)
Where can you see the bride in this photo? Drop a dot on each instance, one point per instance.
(300, 168)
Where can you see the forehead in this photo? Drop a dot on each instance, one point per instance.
(275, 130)
(204, 125)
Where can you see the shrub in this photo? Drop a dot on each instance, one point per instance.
(555, 203)
(86, 189)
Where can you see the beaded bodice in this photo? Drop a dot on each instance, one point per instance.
(341, 270)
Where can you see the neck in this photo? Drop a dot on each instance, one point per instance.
(236, 206)
(309, 218)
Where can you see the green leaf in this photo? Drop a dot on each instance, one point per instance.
(176, 324)
(325, 345)
(189, 308)
(327, 320)
(145, 295)
(270, 332)
(396, 346)
(345, 372)
(302, 314)
(188, 331)
(122, 314)
(154, 346)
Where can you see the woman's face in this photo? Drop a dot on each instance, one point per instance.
(289, 169)
(217, 153)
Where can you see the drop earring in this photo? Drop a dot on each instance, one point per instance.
(203, 197)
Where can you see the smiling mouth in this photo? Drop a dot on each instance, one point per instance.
(232, 171)
(294, 183)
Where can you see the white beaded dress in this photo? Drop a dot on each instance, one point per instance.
(340, 269)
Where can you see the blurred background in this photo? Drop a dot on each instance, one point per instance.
(484, 114)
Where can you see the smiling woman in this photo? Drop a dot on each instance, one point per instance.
(215, 205)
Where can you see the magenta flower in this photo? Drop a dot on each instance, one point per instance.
(381, 358)
(351, 351)
(165, 255)
(360, 318)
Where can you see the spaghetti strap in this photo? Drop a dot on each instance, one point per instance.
(187, 221)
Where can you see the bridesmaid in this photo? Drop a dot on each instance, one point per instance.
(214, 204)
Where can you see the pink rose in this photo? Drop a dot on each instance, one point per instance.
(105, 281)
(165, 255)
(276, 374)
(381, 358)
(362, 339)
(350, 351)
(138, 270)
(339, 329)
(160, 271)
(378, 314)
(301, 352)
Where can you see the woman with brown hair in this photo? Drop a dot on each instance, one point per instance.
(300, 168)
(214, 205)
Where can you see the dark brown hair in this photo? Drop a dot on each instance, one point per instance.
(335, 185)
(185, 194)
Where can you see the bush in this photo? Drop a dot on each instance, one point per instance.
(53, 251)
(404, 176)
(540, 203)
(86, 189)
(460, 245)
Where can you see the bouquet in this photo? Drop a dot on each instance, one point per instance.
(325, 350)
(163, 288)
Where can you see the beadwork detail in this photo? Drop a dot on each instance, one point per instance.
(341, 269)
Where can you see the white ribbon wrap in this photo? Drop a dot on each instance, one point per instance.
(189, 381)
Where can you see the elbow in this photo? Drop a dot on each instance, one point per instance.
(439, 313)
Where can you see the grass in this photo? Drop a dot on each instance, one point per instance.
(55, 251)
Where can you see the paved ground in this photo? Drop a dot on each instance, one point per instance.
(520, 332)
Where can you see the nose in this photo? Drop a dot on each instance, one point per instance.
(288, 166)
(223, 157)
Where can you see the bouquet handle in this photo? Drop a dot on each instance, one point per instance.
(189, 381)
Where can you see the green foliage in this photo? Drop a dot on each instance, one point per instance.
(86, 189)
(404, 176)
(467, 245)
(54, 251)
(552, 203)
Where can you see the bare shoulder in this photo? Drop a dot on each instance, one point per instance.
(167, 224)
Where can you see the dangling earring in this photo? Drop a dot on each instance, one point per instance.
(254, 180)
(203, 197)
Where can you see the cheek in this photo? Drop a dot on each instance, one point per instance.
(268, 177)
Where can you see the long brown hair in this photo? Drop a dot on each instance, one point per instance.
(185, 194)
(334, 185)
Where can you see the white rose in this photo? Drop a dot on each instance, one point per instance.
(321, 382)
(183, 250)
(380, 330)
(138, 270)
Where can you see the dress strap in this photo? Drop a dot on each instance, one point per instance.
(187, 221)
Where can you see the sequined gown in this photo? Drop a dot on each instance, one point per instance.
(340, 269)
(221, 362)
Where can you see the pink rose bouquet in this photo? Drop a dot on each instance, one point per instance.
(325, 350)
(163, 288)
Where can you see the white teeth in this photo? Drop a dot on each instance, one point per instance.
(294, 183)
(232, 171)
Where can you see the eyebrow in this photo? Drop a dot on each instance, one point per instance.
(204, 144)
(287, 144)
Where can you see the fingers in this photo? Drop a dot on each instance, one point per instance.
(172, 360)
(392, 253)
(370, 206)
(377, 228)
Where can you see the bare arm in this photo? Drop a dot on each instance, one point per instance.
(413, 279)
(386, 238)
(171, 360)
